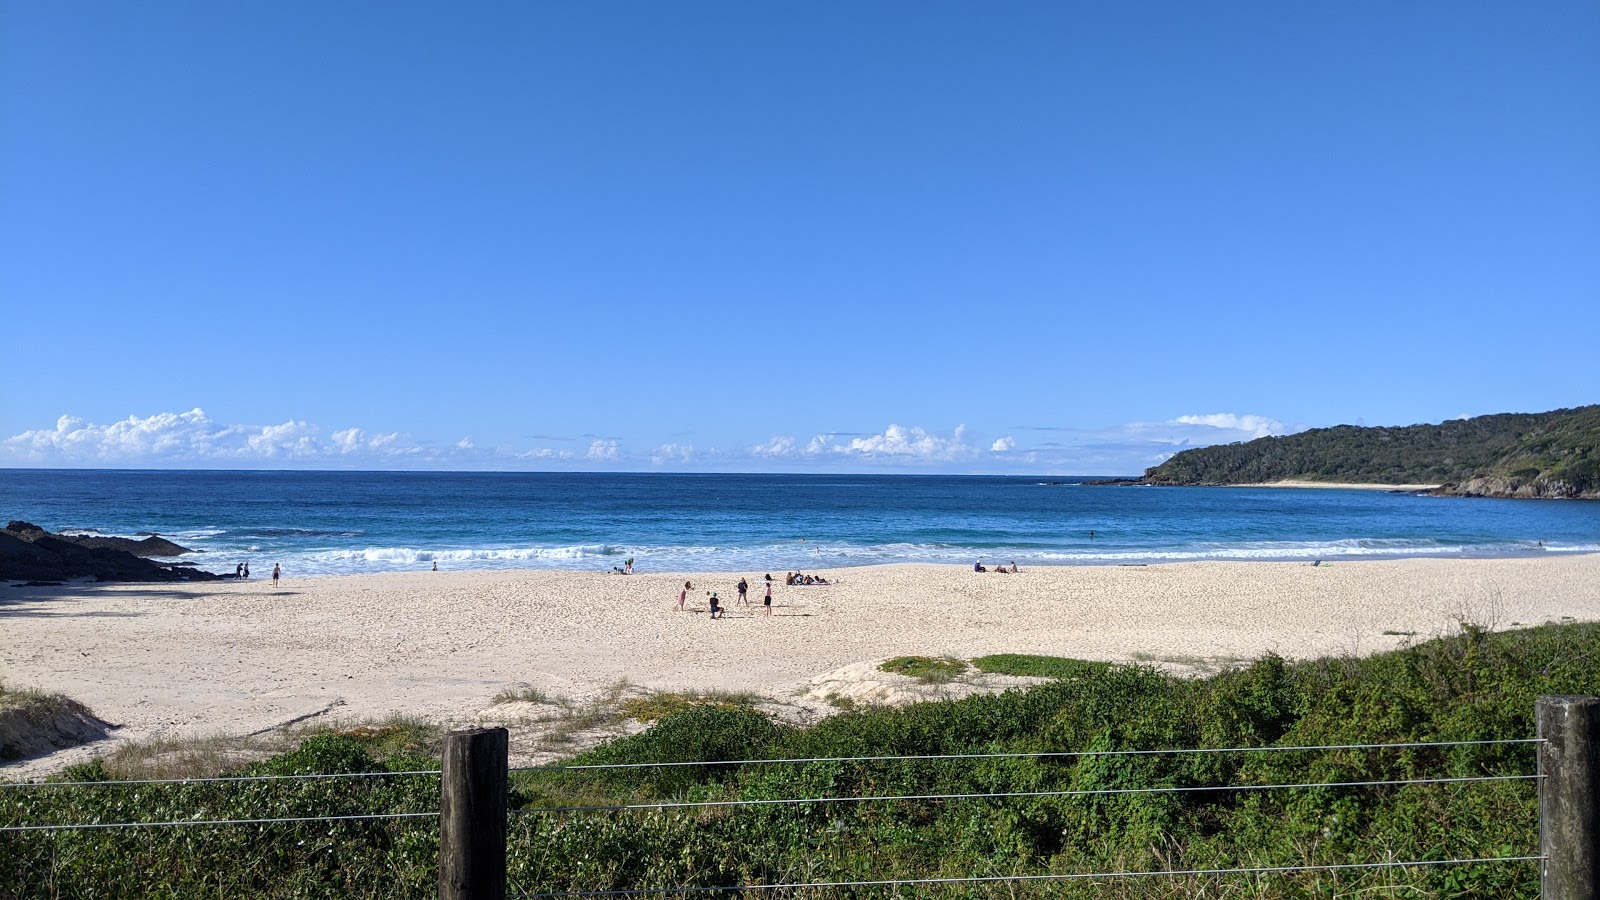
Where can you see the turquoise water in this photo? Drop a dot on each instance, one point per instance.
(323, 523)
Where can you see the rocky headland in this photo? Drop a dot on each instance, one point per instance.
(1548, 455)
(30, 553)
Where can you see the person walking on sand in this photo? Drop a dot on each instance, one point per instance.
(744, 588)
(274, 574)
(684, 594)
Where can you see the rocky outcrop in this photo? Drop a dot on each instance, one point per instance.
(153, 545)
(1517, 488)
(29, 553)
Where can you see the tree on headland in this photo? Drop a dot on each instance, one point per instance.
(1551, 454)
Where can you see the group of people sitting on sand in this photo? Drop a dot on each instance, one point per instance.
(980, 567)
(794, 578)
(624, 569)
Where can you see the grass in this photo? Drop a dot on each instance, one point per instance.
(574, 720)
(1035, 666)
(33, 721)
(522, 694)
(17, 698)
(926, 669)
(661, 704)
(209, 756)
(1204, 665)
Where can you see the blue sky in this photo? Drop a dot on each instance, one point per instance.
(1023, 237)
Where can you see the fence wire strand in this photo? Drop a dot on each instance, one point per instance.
(1037, 755)
(990, 879)
(180, 822)
(1096, 792)
(224, 778)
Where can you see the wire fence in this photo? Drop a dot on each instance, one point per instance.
(1049, 876)
(842, 799)
(217, 780)
(1096, 792)
(228, 781)
(998, 795)
(1043, 754)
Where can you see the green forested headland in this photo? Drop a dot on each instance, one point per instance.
(1550, 454)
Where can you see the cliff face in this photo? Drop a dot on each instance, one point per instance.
(1502, 486)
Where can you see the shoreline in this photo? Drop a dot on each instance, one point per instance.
(1296, 558)
(1340, 485)
(197, 659)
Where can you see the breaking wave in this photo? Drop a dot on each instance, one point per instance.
(822, 554)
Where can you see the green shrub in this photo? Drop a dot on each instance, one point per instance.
(1034, 666)
(927, 669)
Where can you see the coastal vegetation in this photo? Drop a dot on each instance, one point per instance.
(1470, 685)
(926, 669)
(1551, 454)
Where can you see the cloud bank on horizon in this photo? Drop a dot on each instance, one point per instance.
(193, 439)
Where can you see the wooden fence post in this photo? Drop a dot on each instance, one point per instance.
(1569, 815)
(472, 815)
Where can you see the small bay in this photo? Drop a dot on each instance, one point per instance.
(327, 523)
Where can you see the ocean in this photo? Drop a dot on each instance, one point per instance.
(336, 523)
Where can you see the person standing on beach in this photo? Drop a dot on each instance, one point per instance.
(684, 594)
(246, 570)
(274, 574)
(744, 588)
(238, 571)
(767, 600)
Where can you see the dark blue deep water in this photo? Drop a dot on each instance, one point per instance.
(343, 522)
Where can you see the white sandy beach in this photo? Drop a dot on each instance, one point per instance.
(233, 658)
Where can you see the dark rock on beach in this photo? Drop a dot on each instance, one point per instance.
(153, 545)
(29, 553)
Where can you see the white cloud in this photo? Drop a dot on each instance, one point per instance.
(778, 446)
(911, 442)
(672, 453)
(193, 438)
(546, 453)
(896, 444)
(1255, 426)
